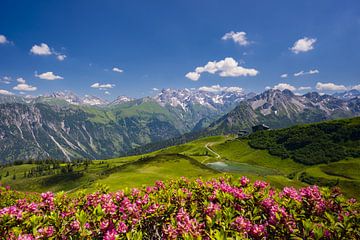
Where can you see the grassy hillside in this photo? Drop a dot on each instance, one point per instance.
(311, 144)
(205, 157)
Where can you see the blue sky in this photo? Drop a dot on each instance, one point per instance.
(157, 43)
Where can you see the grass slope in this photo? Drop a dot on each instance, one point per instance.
(147, 170)
(192, 160)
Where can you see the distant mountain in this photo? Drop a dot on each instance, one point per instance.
(121, 100)
(198, 108)
(94, 101)
(63, 125)
(348, 94)
(186, 98)
(276, 108)
(74, 99)
(40, 130)
(283, 108)
(68, 96)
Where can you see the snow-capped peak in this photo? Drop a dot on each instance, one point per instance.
(92, 100)
(210, 97)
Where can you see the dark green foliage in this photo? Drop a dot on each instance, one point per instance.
(312, 144)
(304, 177)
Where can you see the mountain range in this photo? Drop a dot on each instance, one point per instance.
(63, 125)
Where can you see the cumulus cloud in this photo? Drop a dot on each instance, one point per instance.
(5, 92)
(61, 57)
(218, 88)
(3, 40)
(285, 75)
(21, 80)
(356, 87)
(102, 86)
(48, 76)
(116, 69)
(193, 76)
(283, 86)
(107, 92)
(330, 87)
(225, 68)
(304, 88)
(303, 45)
(42, 49)
(238, 37)
(24, 87)
(310, 72)
(155, 89)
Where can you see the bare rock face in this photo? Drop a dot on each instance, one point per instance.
(64, 126)
(283, 108)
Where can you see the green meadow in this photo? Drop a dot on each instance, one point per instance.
(192, 160)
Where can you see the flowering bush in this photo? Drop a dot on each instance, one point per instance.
(182, 209)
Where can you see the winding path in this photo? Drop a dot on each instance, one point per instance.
(212, 151)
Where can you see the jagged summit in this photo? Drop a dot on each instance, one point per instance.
(353, 93)
(210, 97)
(122, 99)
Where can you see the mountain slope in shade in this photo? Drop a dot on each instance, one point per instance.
(51, 127)
(38, 131)
(283, 108)
(65, 126)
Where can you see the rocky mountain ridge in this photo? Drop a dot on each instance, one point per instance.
(63, 126)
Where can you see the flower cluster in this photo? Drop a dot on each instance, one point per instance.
(182, 209)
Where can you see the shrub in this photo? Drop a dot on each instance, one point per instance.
(182, 209)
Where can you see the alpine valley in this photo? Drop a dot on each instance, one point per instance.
(65, 126)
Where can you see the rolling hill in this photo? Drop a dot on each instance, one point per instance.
(66, 127)
(206, 157)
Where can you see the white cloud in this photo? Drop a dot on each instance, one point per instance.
(356, 87)
(6, 80)
(283, 86)
(310, 72)
(303, 45)
(304, 88)
(155, 89)
(193, 76)
(330, 87)
(20, 80)
(218, 88)
(315, 71)
(102, 86)
(61, 57)
(267, 88)
(237, 37)
(107, 92)
(24, 87)
(3, 39)
(299, 73)
(225, 68)
(42, 49)
(116, 69)
(48, 76)
(5, 92)
(285, 75)
(234, 89)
